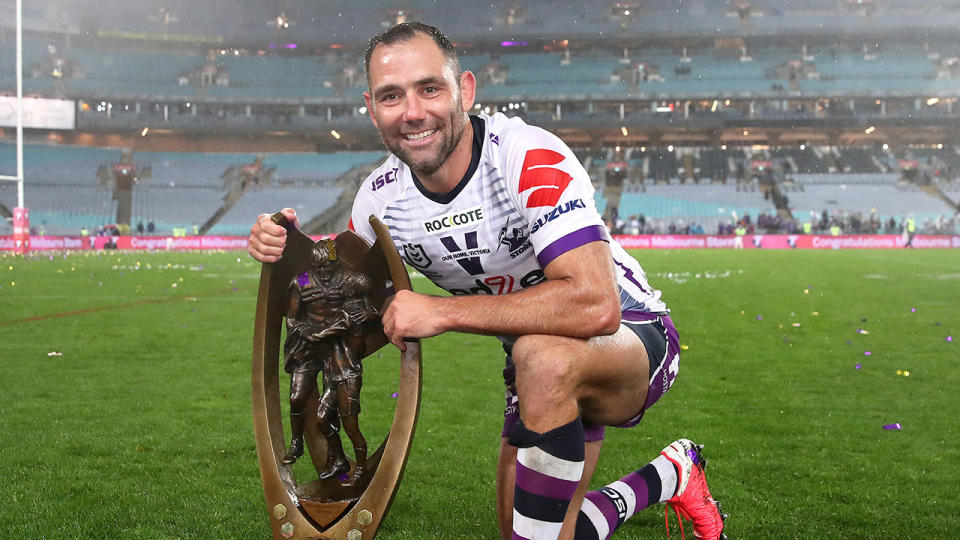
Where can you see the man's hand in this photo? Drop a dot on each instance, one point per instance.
(267, 238)
(413, 315)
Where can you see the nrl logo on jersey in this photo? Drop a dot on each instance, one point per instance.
(416, 256)
(516, 239)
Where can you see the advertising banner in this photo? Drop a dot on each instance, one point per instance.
(39, 113)
(21, 230)
(643, 241)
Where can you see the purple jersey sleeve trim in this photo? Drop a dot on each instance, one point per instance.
(570, 241)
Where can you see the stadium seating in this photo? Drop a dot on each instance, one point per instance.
(178, 207)
(857, 160)
(116, 73)
(64, 193)
(64, 209)
(707, 204)
(883, 199)
(312, 23)
(309, 202)
(802, 161)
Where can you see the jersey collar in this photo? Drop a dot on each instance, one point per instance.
(446, 198)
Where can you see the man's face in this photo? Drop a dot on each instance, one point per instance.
(416, 102)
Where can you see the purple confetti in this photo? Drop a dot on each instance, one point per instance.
(913, 310)
(949, 339)
(759, 317)
(303, 280)
(848, 342)
(343, 477)
(892, 427)
(867, 353)
(859, 366)
(393, 395)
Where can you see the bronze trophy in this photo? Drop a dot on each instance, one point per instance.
(331, 293)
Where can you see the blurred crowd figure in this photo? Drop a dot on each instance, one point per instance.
(824, 223)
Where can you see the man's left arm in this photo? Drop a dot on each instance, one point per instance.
(579, 299)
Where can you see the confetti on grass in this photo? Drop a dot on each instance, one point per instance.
(893, 427)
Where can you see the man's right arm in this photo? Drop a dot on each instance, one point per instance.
(267, 239)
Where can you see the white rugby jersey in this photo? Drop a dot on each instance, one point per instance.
(524, 201)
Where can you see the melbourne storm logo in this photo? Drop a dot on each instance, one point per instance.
(416, 256)
(515, 239)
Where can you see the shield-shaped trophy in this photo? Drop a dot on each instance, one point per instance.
(330, 293)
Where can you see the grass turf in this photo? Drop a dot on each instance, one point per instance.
(142, 428)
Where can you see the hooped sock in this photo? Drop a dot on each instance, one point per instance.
(607, 508)
(549, 467)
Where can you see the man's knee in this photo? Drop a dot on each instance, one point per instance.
(545, 362)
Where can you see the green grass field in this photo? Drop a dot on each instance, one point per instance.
(142, 427)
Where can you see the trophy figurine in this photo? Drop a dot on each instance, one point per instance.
(329, 305)
(330, 292)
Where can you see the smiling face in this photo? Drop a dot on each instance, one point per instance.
(417, 101)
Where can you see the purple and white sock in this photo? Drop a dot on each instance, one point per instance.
(607, 508)
(549, 467)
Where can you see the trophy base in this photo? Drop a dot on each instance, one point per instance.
(325, 513)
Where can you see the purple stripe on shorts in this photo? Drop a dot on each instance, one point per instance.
(606, 507)
(571, 241)
(638, 316)
(544, 485)
(663, 379)
(518, 537)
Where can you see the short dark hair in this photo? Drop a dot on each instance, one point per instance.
(405, 31)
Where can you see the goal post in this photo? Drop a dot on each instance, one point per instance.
(21, 216)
